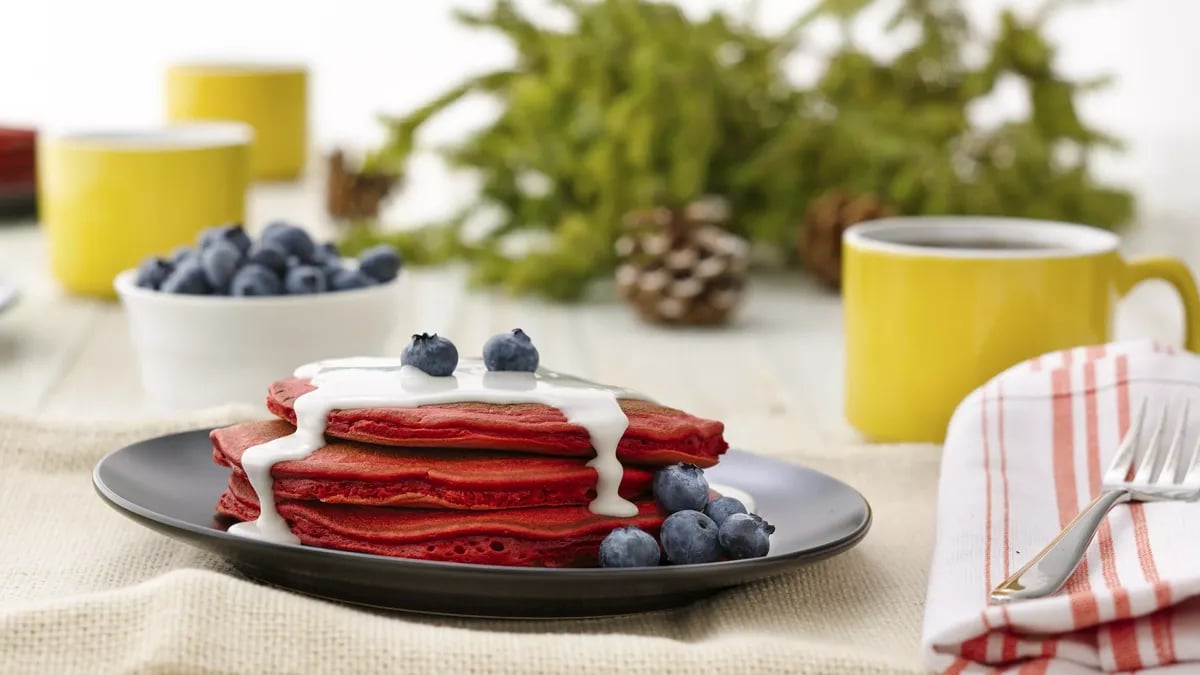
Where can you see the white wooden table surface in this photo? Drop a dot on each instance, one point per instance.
(774, 376)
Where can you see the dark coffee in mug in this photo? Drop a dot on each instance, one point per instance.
(985, 244)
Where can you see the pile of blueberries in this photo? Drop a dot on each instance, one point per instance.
(699, 530)
(284, 261)
(437, 356)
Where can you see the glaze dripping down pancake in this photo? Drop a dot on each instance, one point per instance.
(656, 436)
(348, 472)
(557, 536)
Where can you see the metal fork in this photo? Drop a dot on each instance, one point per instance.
(1172, 477)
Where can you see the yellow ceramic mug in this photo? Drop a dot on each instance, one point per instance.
(107, 200)
(934, 307)
(272, 99)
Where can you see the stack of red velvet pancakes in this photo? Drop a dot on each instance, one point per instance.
(501, 484)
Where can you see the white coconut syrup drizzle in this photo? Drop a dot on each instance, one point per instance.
(357, 383)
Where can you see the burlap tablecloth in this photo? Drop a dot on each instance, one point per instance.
(86, 590)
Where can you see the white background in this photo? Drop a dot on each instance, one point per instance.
(100, 64)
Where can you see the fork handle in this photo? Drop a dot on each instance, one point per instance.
(1053, 565)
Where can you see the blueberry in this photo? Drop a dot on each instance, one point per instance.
(690, 537)
(348, 279)
(233, 234)
(153, 271)
(744, 535)
(629, 547)
(291, 239)
(381, 263)
(326, 252)
(220, 260)
(304, 279)
(269, 256)
(188, 278)
(182, 253)
(330, 268)
(681, 487)
(721, 508)
(510, 351)
(255, 280)
(435, 355)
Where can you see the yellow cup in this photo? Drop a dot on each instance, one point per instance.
(273, 100)
(934, 307)
(107, 200)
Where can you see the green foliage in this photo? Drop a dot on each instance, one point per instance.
(638, 105)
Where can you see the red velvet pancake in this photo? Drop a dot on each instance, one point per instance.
(656, 436)
(346, 472)
(556, 536)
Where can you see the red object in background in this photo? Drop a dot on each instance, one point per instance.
(18, 171)
(17, 160)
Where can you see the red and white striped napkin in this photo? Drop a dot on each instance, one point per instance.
(1022, 455)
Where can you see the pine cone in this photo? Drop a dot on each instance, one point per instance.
(827, 217)
(354, 194)
(680, 266)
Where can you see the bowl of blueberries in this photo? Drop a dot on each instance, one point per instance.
(212, 322)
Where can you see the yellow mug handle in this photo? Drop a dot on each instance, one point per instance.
(1174, 272)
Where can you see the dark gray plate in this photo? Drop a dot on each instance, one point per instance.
(171, 484)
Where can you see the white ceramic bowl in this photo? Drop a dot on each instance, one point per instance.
(196, 351)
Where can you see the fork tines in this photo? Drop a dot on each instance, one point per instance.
(1150, 467)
